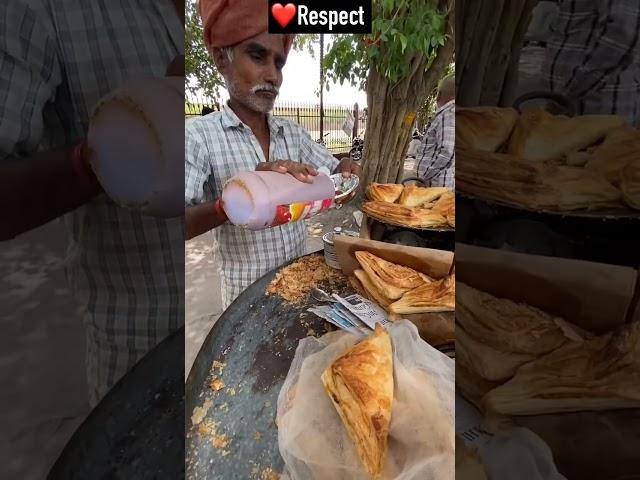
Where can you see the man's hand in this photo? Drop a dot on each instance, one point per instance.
(300, 171)
(347, 167)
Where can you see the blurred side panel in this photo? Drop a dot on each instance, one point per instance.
(92, 231)
(547, 316)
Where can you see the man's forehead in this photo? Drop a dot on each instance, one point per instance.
(273, 43)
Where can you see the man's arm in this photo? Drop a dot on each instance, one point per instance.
(203, 212)
(35, 188)
(41, 188)
(615, 47)
(201, 218)
(438, 145)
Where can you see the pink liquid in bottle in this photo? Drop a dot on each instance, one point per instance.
(258, 200)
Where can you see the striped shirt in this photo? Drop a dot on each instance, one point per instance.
(593, 56)
(436, 156)
(57, 59)
(217, 147)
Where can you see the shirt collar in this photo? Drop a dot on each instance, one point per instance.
(231, 120)
(449, 104)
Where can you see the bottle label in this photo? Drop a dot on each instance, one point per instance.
(295, 212)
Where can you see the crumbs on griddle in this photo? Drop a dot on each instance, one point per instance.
(199, 413)
(269, 474)
(216, 384)
(295, 281)
(208, 429)
(218, 365)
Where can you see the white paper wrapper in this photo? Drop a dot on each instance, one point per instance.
(313, 441)
(511, 453)
(519, 453)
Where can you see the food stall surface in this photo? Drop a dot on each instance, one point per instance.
(232, 389)
(135, 431)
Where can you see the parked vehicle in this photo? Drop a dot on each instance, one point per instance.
(321, 140)
(356, 149)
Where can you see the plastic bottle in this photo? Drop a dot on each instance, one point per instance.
(138, 145)
(259, 200)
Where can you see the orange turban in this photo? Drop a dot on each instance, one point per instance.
(228, 22)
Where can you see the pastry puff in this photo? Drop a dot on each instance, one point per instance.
(360, 385)
(438, 296)
(384, 192)
(413, 196)
(484, 128)
(390, 279)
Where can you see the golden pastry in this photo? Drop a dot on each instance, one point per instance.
(542, 137)
(471, 385)
(357, 285)
(414, 196)
(620, 148)
(384, 192)
(506, 179)
(438, 296)
(630, 184)
(360, 385)
(602, 373)
(372, 292)
(396, 275)
(445, 203)
(486, 361)
(451, 217)
(406, 216)
(484, 128)
(511, 327)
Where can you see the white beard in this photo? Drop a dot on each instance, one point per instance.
(252, 100)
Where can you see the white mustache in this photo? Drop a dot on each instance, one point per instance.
(266, 87)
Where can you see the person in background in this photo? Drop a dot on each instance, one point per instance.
(436, 158)
(57, 59)
(593, 56)
(244, 136)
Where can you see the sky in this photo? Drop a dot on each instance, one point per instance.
(301, 80)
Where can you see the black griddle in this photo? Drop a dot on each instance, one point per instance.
(137, 430)
(256, 338)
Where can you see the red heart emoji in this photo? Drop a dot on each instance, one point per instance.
(283, 15)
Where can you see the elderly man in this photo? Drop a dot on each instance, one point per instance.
(436, 158)
(593, 56)
(245, 137)
(57, 59)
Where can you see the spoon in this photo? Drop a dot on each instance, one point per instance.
(322, 296)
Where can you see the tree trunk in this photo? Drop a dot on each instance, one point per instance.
(490, 35)
(392, 110)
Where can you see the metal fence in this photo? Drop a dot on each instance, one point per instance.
(307, 115)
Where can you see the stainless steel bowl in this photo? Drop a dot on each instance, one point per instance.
(345, 188)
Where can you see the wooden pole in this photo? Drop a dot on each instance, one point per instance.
(321, 87)
(356, 114)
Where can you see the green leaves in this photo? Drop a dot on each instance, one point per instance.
(403, 42)
(201, 74)
(401, 30)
